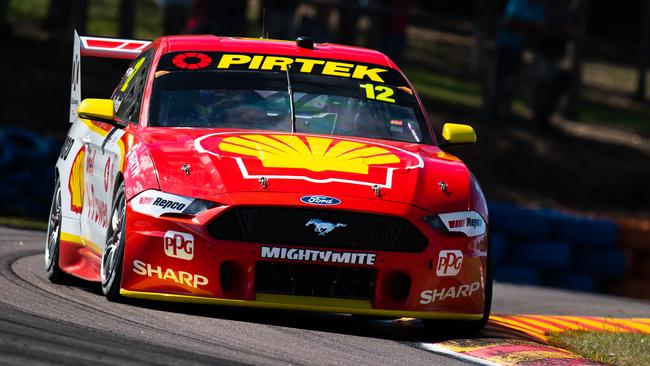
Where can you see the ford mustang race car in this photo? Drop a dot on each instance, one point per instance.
(270, 174)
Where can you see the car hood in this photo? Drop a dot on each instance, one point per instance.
(222, 161)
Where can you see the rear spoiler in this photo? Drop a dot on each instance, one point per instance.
(112, 47)
(98, 47)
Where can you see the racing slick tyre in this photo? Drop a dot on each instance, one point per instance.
(467, 327)
(111, 271)
(53, 240)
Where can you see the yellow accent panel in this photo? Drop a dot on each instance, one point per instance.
(94, 128)
(317, 154)
(97, 108)
(76, 184)
(455, 133)
(71, 238)
(290, 305)
(314, 301)
(135, 71)
(76, 239)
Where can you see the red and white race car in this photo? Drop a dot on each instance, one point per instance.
(272, 174)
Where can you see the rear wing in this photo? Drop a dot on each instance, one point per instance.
(98, 47)
(112, 47)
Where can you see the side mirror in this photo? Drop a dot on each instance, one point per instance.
(457, 134)
(97, 109)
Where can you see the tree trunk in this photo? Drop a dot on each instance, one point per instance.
(643, 54)
(127, 18)
(572, 107)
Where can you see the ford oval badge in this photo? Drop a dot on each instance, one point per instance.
(320, 200)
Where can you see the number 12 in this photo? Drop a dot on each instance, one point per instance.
(378, 92)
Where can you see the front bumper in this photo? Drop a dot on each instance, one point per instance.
(151, 271)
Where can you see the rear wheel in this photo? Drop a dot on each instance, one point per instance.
(113, 256)
(53, 239)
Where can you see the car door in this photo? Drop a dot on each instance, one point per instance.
(105, 152)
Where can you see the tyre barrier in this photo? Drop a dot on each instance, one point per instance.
(609, 263)
(543, 254)
(498, 247)
(27, 172)
(518, 222)
(585, 231)
(566, 250)
(517, 274)
(572, 281)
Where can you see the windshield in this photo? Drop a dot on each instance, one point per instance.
(253, 99)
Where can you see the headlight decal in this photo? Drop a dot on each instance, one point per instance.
(469, 223)
(156, 203)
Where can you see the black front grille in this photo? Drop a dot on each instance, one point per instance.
(314, 280)
(285, 225)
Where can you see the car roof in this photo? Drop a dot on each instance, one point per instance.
(272, 47)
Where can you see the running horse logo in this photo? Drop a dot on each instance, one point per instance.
(322, 227)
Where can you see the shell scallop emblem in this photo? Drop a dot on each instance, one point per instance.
(313, 153)
(76, 182)
(312, 158)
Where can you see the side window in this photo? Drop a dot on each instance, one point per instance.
(128, 94)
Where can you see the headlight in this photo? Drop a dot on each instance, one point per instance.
(469, 223)
(156, 203)
(197, 206)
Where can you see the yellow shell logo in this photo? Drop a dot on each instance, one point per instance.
(313, 153)
(76, 183)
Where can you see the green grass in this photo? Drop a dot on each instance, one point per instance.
(446, 89)
(634, 119)
(102, 16)
(28, 11)
(621, 349)
(23, 223)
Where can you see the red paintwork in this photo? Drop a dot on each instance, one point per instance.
(160, 152)
(79, 260)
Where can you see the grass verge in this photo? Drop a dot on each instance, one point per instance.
(613, 348)
(23, 223)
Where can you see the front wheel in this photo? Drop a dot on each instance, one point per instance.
(53, 240)
(113, 256)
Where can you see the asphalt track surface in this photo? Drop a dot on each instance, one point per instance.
(42, 323)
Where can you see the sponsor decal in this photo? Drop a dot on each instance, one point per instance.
(132, 73)
(90, 161)
(429, 296)
(168, 204)
(107, 174)
(76, 182)
(320, 200)
(304, 65)
(133, 163)
(97, 210)
(449, 263)
(191, 60)
(181, 278)
(156, 203)
(146, 200)
(318, 256)
(468, 222)
(311, 158)
(179, 245)
(322, 227)
(65, 149)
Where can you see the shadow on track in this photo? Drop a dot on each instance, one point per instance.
(401, 330)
